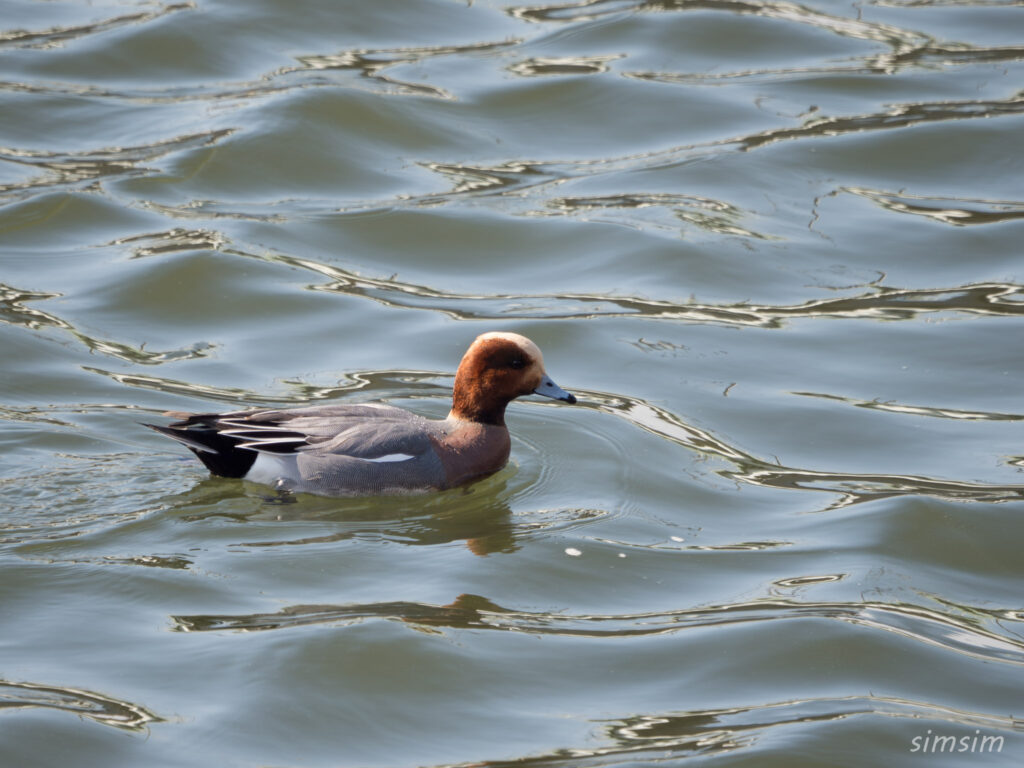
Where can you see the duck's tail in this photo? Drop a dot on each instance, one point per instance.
(200, 434)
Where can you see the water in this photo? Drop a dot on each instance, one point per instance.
(774, 249)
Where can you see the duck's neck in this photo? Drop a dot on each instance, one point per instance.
(470, 404)
(477, 413)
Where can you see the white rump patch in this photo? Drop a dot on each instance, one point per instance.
(271, 467)
(392, 457)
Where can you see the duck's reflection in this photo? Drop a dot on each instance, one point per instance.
(465, 612)
(479, 515)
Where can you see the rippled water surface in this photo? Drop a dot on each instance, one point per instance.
(775, 248)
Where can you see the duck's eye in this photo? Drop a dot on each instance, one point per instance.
(517, 362)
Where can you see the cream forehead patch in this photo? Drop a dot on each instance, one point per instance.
(522, 342)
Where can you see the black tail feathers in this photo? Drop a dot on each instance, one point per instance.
(218, 452)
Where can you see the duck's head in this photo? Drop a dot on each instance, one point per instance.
(496, 369)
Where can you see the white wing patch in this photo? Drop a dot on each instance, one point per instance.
(392, 457)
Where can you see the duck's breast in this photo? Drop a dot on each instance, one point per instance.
(471, 450)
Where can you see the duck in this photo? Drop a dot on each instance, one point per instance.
(370, 449)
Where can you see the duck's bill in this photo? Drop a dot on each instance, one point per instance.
(548, 388)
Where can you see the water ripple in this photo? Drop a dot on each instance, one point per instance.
(13, 311)
(515, 184)
(383, 384)
(947, 3)
(958, 211)
(634, 210)
(312, 71)
(94, 706)
(370, 63)
(563, 65)
(859, 29)
(523, 177)
(966, 635)
(906, 47)
(880, 302)
(925, 56)
(894, 117)
(59, 35)
(174, 240)
(850, 488)
(890, 406)
(83, 168)
(45, 505)
(650, 739)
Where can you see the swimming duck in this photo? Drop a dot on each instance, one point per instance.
(370, 449)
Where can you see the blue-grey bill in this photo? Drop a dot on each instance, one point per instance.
(548, 388)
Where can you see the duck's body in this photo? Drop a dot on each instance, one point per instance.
(346, 450)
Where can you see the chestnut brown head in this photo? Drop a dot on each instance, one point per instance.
(496, 369)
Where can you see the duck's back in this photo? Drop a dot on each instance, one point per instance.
(362, 450)
(338, 450)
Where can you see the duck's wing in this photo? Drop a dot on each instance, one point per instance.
(228, 443)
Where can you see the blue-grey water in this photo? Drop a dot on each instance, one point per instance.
(775, 248)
